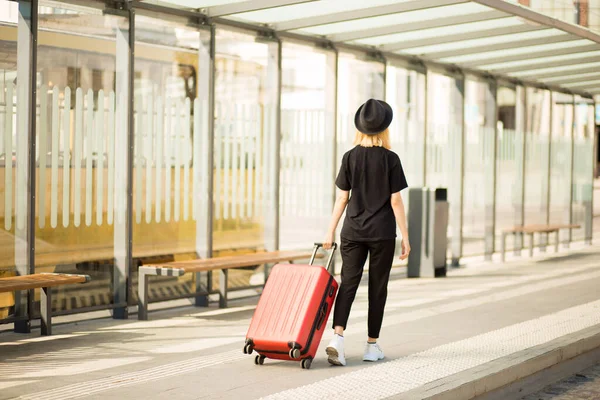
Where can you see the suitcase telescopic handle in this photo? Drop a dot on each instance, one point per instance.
(331, 254)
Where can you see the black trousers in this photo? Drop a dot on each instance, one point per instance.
(354, 256)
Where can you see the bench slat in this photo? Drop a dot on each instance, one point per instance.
(36, 281)
(246, 260)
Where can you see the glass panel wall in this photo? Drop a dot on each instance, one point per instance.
(510, 161)
(537, 156)
(405, 92)
(561, 161)
(82, 78)
(243, 148)
(445, 147)
(479, 159)
(358, 81)
(170, 128)
(14, 94)
(307, 143)
(582, 168)
(241, 142)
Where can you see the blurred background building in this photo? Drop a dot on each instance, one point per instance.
(581, 12)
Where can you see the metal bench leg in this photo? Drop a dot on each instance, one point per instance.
(545, 240)
(518, 245)
(266, 272)
(531, 245)
(223, 288)
(503, 247)
(142, 296)
(557, 241)
(46, 311)
(21, 310)
(201, 291)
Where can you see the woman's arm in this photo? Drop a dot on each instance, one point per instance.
(340, 205)
(400, 215)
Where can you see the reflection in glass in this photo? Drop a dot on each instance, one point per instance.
(479, 157)
(561, 161)
(169, 133)
(405, 92)
(444, 147)
(306, 192)
(583, 154)
(509, 167)
(242, 143)
(357, 82)
(537, 156)
(81, 127)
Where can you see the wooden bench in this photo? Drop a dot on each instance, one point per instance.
(43, 281)
(223, 264)
(531, 230)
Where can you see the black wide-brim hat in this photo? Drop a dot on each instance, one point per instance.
(373, 117)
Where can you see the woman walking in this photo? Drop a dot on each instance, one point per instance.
(375, 177)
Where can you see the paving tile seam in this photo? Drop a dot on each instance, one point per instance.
(162, 371)
(398, 376)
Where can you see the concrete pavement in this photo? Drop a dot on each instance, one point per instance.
(442, 337)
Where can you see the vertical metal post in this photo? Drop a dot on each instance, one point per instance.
(571, 174)
(331, 106)
(273, 124)
(520, 217)
(426, 128)
(544, 238)
(458, 209)
(26, 160)
(490, 206)
(385, 67)
(331, 101)
(204, 219)
(590, 214)
(124, 151)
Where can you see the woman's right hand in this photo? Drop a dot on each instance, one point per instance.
(405, 249)
(328, 242)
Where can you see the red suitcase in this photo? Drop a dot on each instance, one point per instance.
(292, 312)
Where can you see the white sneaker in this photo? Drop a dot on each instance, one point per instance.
(373, 352)
(335, 351)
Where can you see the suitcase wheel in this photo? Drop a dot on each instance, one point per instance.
(294, 354)
(259, 359)
(306, 363)
(248, 348)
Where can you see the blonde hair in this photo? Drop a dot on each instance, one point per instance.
(382, 139)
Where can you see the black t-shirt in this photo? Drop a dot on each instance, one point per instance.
(372, 174)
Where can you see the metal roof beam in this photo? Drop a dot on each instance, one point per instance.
(581, 85)
(558, 74)
(533, 55)
(250, 5)
(568, 79)
(351, 15)
(529, 14)
(409, 44)
(545, 64)
(416, 26)
(502, 46)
